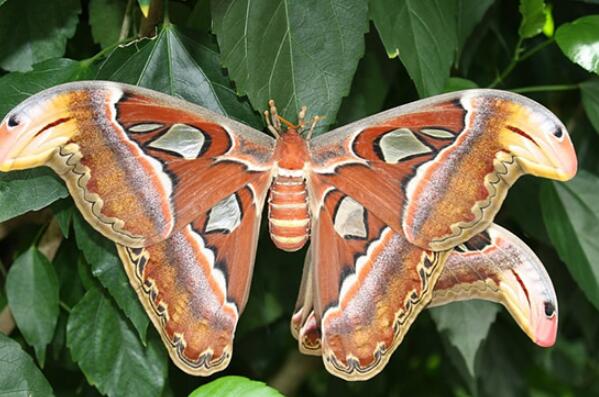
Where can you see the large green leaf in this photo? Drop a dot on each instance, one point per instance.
(370, 87)
(234, 386)
(106, 18)
(32, 292)
(19, 377)
(177, 65)
(295, 52)
(533, 18)
(590, 101)
(109, 353)
(424, 36)
(33, 31)
(466, 324)
(571, 214)
(469, 14)
(65, 263)
(579, 40)
(63, 211)
(101, 254)
(41, 187)
(458, 84)
(500, 368)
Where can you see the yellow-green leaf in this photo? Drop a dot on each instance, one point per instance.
(235, 386)
(533, 18)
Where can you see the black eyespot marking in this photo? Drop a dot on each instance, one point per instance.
(549, 309)
(558, 133)
(12, 121)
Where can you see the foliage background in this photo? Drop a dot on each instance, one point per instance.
(76, 327)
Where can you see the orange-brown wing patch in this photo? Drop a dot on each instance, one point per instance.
(194, 285)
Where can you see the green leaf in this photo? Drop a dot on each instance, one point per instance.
(458, 84)
(234, 386)
(590, 101)
(469, 14)
(33, 31)
(500, 369)
(466, 324)
(106, 18)
(15, 87)
(579, 41)
(177, 65)
(2, 2)
(533, 18)
(32, 292)
(370, 87)
(109, 353)
(549, 27)
(295, 52)
(63, 211)
(144, 6)
(19, 376)
(65, 263)
(106, 266)
(40, 185)
(571, 215)
(200, 19)
(424, 36)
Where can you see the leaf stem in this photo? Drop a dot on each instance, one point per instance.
(536, 49)
(104, 51)
(126, 25)
(508, 69)
(65, 307)
(545, 88)
(518, 57)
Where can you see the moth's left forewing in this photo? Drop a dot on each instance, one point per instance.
(439, 168)
(139, 164)
(370, 283)
(194, 285)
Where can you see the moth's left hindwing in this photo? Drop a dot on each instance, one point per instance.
(494, 265)
(194, 285)
(139, 164)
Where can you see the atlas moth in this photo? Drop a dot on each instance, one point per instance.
(398, 208)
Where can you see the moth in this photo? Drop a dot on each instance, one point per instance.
(398, 207)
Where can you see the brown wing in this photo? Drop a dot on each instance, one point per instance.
(494, 265)
(139, 164)
(370, 283)
(438, 169)
(497, 266)
(194, 285)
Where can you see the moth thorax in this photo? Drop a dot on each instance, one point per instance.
(288, 214)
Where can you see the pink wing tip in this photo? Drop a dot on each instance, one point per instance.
(546, 331)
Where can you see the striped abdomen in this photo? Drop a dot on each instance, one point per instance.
(288, 215)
